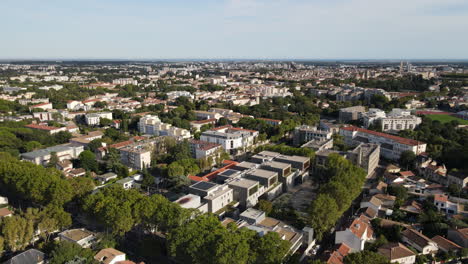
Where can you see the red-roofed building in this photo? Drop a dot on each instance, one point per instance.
(49, 129)
(337, 256)
(199, 123)
(356, 234)
(391, 146)
(202, 149)
(273, 122)
(212, 175)
(44, 106)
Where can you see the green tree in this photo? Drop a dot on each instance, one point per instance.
(407, 159)
(365, 257)
(270, 249)
(323, 214)
(87, 161)
(265, 206)
(65, 252)
(17, 232)
(54, 160)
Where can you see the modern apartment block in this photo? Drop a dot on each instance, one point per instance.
(152, 125)
(64, 152)
(232, 139)
(365, 155)
(305, 133)
(94, 119)
(136, 156)
(216, 196)
(391, 146)
(350, 113)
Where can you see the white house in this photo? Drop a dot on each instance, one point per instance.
(356, 235)
(109, 256)
(419, 241)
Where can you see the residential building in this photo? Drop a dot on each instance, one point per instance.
(198, 124)
(43, 106)
(30, 256)
(109, 256)
(246, 191)
(366, 156)
(356, 234)
(459, 236)
(350, 113)
(216, 196)
(79, 236)
(5, 212)
(94, 119)
(232, 139)
(203, 149)
(398, 123)
(397, 253)
(106, 177)
(305, 133)
(273, 122)
(64, 152)
(48, 129)
(443, 203)
(419, 241)
(127, 183)
(458, 178)
(152, 125)
(136, 156)
(125, 81)
(317, 145)
(337, 255)
(391, 146)
(256, 220)
(446, 245)
(204, 115)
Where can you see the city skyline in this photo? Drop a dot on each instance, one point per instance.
(235, 29)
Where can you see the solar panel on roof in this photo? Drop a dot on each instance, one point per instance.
(204, 185)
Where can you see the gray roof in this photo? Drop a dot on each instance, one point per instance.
(46, 151)
(30, 256)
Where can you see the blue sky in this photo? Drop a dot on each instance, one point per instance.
(209, 29)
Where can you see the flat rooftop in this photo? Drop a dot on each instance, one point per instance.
(243, 183)
(77, 234)
(262, 173)
(204, 186)
(277, 164)
(229, 173)
(246, 165)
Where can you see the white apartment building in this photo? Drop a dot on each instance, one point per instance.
(371, 116)
(175, 94)
(202, 149)
(307, 133)
(216, 196)
(230, 138)
(94, 119)
(64, 152)
(136, 156)
(391, 146)
(125, 81)
(400, 123)
(152, 125)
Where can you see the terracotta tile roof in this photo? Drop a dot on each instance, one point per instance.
(39, 105)
(416, 237)
(107, 255)
(383, 197)
(395, 251)
(445, 244)
(406, 173)
(221, 127)
(360, 225)
(337, 256)
(401, 140)
(41, 127)
(463, 232)
(205, 121)
(441, 198)
(5, 212)
(210, 176)
(243, 129)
